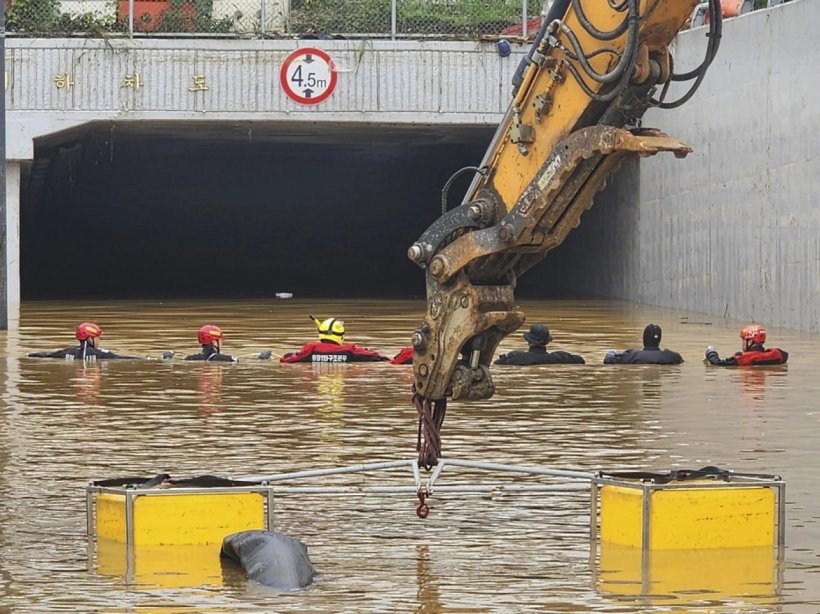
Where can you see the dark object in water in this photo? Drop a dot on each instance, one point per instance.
(270, 558)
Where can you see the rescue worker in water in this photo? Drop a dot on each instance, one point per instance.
(87, 333)
(651, 354)
(752, 351)
(332, 346)
(537, 338)
(210, 337)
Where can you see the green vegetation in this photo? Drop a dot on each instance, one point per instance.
(192, 16)
(453, 18)
(32, 16)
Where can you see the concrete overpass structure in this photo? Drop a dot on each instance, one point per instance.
(732, 230)
(229, 91)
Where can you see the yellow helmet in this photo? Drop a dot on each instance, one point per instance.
(331, 330)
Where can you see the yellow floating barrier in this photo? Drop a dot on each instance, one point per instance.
(192, 512)
(688, 536)
(688, 510)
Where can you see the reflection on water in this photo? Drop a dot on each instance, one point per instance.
(88, 380)
(64, 423)
(690, 577)
(209, 388)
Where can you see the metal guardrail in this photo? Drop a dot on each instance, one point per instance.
(395, 19)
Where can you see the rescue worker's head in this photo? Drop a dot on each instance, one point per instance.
(88, 332)
(210, 334)
(330, 330)
(652, 336)
(538, 335)
(751, 335)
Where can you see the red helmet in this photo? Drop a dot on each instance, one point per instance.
(209, 333)
(88, 330)
(754, 332)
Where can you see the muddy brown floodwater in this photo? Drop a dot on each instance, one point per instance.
(65, 423)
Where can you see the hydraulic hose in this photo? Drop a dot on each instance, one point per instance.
(446, 189)
(557, 10)
(627, 57)
(622, 72)
(599, 34)
(715, 34)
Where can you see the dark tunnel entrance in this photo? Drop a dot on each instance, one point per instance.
(179, 210)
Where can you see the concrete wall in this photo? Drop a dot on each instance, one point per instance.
(378, 81)
(734, 229)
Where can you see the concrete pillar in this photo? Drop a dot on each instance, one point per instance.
(12, 242)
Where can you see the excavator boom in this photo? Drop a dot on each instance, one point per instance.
(593, 70)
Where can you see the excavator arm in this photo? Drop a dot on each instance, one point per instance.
(592, 71)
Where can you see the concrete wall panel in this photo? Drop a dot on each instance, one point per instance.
(421, 82)
(733, 229)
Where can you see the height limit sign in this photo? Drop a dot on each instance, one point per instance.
(308, 75)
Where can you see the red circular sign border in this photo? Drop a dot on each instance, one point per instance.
(283, 73)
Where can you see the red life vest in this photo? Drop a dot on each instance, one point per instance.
(331, 352)
(772, 356)
(405, 357)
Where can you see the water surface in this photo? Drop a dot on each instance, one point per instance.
(65, 423)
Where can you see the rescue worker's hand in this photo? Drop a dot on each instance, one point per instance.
(168, 355)
(265, 355)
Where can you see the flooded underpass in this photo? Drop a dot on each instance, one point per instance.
(65, 423)
(204, 210)
(152, 234)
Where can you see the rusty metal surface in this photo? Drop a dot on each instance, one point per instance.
(563, 188)
(464, 318)
(462, 315)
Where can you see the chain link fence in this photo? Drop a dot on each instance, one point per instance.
(456, 19)
(394, 19)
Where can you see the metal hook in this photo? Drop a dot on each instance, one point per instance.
(422, 509)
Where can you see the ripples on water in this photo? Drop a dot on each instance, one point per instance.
(65, 423)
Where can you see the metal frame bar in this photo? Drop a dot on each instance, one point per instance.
(273, 484)
(270, 485)
(89, 513)
(781, 520)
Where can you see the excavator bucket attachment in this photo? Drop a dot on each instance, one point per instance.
(470, 281)
(579, 94)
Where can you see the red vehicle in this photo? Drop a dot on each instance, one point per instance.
(518, 30)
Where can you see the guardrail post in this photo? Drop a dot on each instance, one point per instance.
(393, 14)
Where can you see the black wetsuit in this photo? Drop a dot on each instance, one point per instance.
(538, 355)
(85, 351)
(646, 356)
(210, 354)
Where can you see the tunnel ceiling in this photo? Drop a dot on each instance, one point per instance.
(204, 209)
(206, 134)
